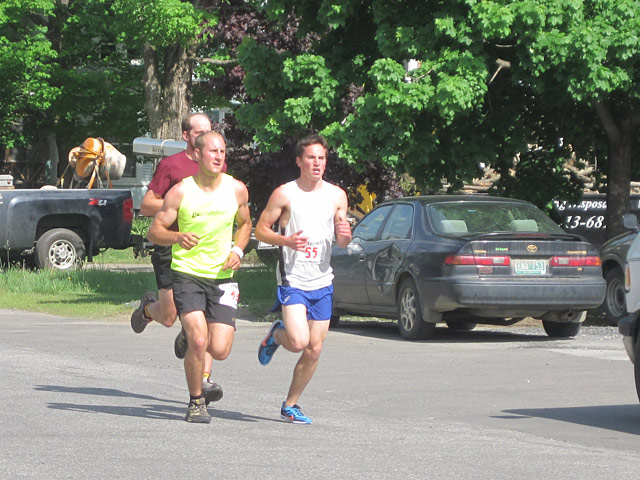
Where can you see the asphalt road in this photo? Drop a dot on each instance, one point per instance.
(90, 399)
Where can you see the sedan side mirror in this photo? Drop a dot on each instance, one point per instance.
(354, 248)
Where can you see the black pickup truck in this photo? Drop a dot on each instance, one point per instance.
(60, 228)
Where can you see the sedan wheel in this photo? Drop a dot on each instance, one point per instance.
(461, 325)
(557, 330)
(614, 304)
(410, 320)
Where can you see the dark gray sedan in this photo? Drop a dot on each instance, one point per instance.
(465, 260)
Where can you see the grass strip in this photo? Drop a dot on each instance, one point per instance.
(103, 294)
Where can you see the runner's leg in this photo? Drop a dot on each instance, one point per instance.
(195, 325)
(308, 361)
(163, 311)
(220, 340)
(295, 335)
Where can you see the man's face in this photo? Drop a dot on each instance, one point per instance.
(199, 125)
(313, 161)
(212, 155)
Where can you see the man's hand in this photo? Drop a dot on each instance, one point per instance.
(343, 231)
(188, 240)
(232, 262)
(297, 241)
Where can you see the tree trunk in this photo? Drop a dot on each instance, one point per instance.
(167, 89)
(619, 130)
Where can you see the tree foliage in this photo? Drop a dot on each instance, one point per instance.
(115, 69)
(26, 66)
(166, 35)
(262, 169)
(427, 89)
(493, 80)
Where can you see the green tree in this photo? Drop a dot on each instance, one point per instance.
(264, 170)
(493, 80)
(99, 76)
(583, 56)
(167, 34)
(115, 69)
(26, 67)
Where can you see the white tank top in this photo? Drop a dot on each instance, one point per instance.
(313, 213)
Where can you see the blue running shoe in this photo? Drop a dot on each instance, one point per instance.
(294, 415)
(269, 346)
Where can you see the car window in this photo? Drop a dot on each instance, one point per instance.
(459, 218)
(398, 227)
(369, 226)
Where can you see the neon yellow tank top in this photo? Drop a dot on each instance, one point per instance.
(210, 215)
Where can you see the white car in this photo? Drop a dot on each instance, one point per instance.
(628, 326)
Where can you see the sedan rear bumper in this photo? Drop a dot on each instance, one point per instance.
(535, 295)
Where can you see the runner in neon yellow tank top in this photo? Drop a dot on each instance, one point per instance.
(170, 171)
(206, 207)
(210, 215)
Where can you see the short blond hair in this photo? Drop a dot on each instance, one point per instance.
(201, 138)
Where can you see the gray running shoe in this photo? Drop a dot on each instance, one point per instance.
(197, 412)
(138, 319)
(211, 390)
(180, 344)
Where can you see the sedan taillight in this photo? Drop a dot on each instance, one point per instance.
(588, 261)
(493, 261)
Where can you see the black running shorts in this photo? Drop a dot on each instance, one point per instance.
(218, 299)
(161, 261)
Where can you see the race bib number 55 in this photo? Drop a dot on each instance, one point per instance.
(313, 253)
(230, 294)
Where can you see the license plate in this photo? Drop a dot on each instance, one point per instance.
(530, 267)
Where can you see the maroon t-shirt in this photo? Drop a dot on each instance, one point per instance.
(172, 170)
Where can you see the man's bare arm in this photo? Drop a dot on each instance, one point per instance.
(151, 204)
(243, 217)
(342, 226)
(243, 227)
(277, 206)
(159, 232)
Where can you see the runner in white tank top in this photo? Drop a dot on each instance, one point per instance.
(309, 213)
(313, 213)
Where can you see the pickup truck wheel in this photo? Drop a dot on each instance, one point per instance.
(557, 329)
(334, 321)
(410, 320)
(59, 249)
(614, 305)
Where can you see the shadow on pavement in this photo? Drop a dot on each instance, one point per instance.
(158, 412)
(622, 418)
(484, 333)
(152, 411)
(109, 392)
